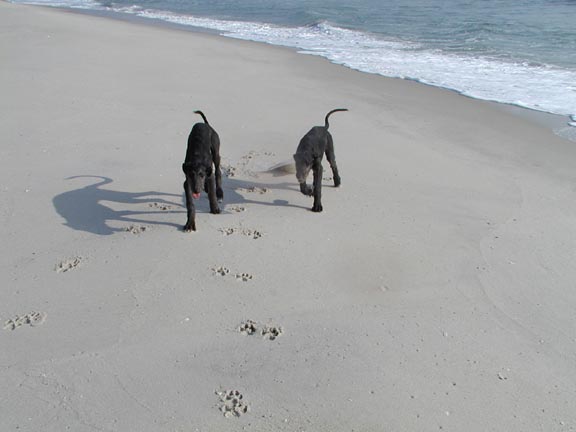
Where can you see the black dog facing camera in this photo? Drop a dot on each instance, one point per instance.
(202, 169)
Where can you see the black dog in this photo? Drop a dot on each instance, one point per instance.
(203, 151)
(309, 156)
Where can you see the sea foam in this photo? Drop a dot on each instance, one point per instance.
(536, 86)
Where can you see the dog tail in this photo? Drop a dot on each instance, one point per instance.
(331, 112)
(203, 116)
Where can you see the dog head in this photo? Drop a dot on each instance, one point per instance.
(197, 174)
(303, 167)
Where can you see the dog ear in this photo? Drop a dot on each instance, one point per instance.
(208, 171)
(185, 167)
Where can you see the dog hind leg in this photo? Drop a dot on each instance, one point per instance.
(215, 150)
(330, 155)
(218, 175)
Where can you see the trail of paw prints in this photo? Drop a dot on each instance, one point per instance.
(245, 165)
(232, 403)
(136, 229)
(223, 271)
(228, 231)
(68, 264)
(254, 234)
(269, 332)
(247, 160)
(32, 319)
(243, 277)
(251, 155)
(237, 209)
(254, 189)
(160, 206)
(228, 170)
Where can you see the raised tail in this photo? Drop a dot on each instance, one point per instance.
(331, 112)
(203, 116)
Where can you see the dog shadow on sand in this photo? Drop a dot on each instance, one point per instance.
(241, 192)
(85, 209)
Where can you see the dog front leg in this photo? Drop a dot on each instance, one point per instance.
(317, 170)
(335, 175)
(191, 222)
(214, 209)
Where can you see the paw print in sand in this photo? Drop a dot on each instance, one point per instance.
(222, 271)
(271, 332)
(244, 277)
(32, 319)
(248, 327)
(232, 403)
(68, 264)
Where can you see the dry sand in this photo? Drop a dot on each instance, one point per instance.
(437, 290)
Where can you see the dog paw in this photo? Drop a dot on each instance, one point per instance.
(317, 208)
(233, 404)
(337, 181)
(215, 210)
(306, 190)
(32, 319)
(163, 207)
(189, 227)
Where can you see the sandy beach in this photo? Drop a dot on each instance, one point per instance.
(436, 291)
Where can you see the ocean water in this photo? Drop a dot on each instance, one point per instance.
(519, 52)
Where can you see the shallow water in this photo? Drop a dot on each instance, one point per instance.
(515, 52)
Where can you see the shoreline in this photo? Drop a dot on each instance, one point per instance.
(559, 124)
(435, 290)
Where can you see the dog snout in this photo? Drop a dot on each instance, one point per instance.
(302, 173)
(198, 180)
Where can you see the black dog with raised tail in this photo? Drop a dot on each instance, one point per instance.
(202, 169)
(309, 156)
